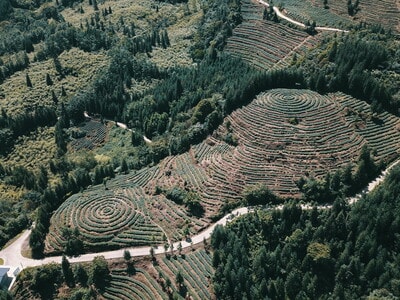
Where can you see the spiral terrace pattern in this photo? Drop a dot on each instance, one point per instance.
(106, 214)
(107, 220)
(292, 102)
(283, 135)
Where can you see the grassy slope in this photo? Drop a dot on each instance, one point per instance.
(83, 65)
(15, 96)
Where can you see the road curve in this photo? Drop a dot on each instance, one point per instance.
(120, 125)
(297, 23)
(13, 258)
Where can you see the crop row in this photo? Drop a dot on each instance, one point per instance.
(282, 135)
(263, 43)
(306, 11)
(285, 134)
(384, 12)
(136, 178)
(124, 287)
(195, 280)
(190, 172)
(250, 10)
(94, 134)
(207, 150)
(102, 219)
(381, 130)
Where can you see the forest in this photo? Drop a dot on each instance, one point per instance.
(342, 252)
(346, 252)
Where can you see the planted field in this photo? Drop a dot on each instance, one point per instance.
(381, 131)
(104, 221)
(150, 281)
(130, 212)
(141, 286)
(281, 136)
(196, 269)
(265, 43)
(286, 134)
(89, 135)
(308, 11)
(383, 12)
(251, 10)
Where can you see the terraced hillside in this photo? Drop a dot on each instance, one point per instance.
(250, 10)
(196, 270)
(265, 43)
(286, 134)
(383, 12)
(129, 211)
(158, 281)
(278, 138)
(309, 11)
(337, 13)
(140, 286)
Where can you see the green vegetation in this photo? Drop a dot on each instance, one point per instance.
(141, 123)
(269, 45)
(67, 281)
(177, 277)
(341, 252)
(353, 64)
(259, 195)
(216, 25)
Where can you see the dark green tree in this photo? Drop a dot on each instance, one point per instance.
(99, 273)
(49, 81)
(81, 275)
(130, 267)
(179, 279)
(124, 166)
(42, 179)
(67, 272)
(54, 97)
(45, 279)
(127, 255)
(258, 195)
(28, 81)
(5, 9)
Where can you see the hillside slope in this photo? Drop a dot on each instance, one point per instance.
(278, 138)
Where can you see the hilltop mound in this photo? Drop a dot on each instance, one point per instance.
(286, 134)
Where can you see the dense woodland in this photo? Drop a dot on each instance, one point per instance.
(339, 253)
(350, 64)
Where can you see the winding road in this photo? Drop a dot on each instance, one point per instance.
(120, 125)
(297, 23)
(16, 261)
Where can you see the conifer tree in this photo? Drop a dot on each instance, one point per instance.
(28, 81)
(48, 79)
(54, 97)
(67, 272)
